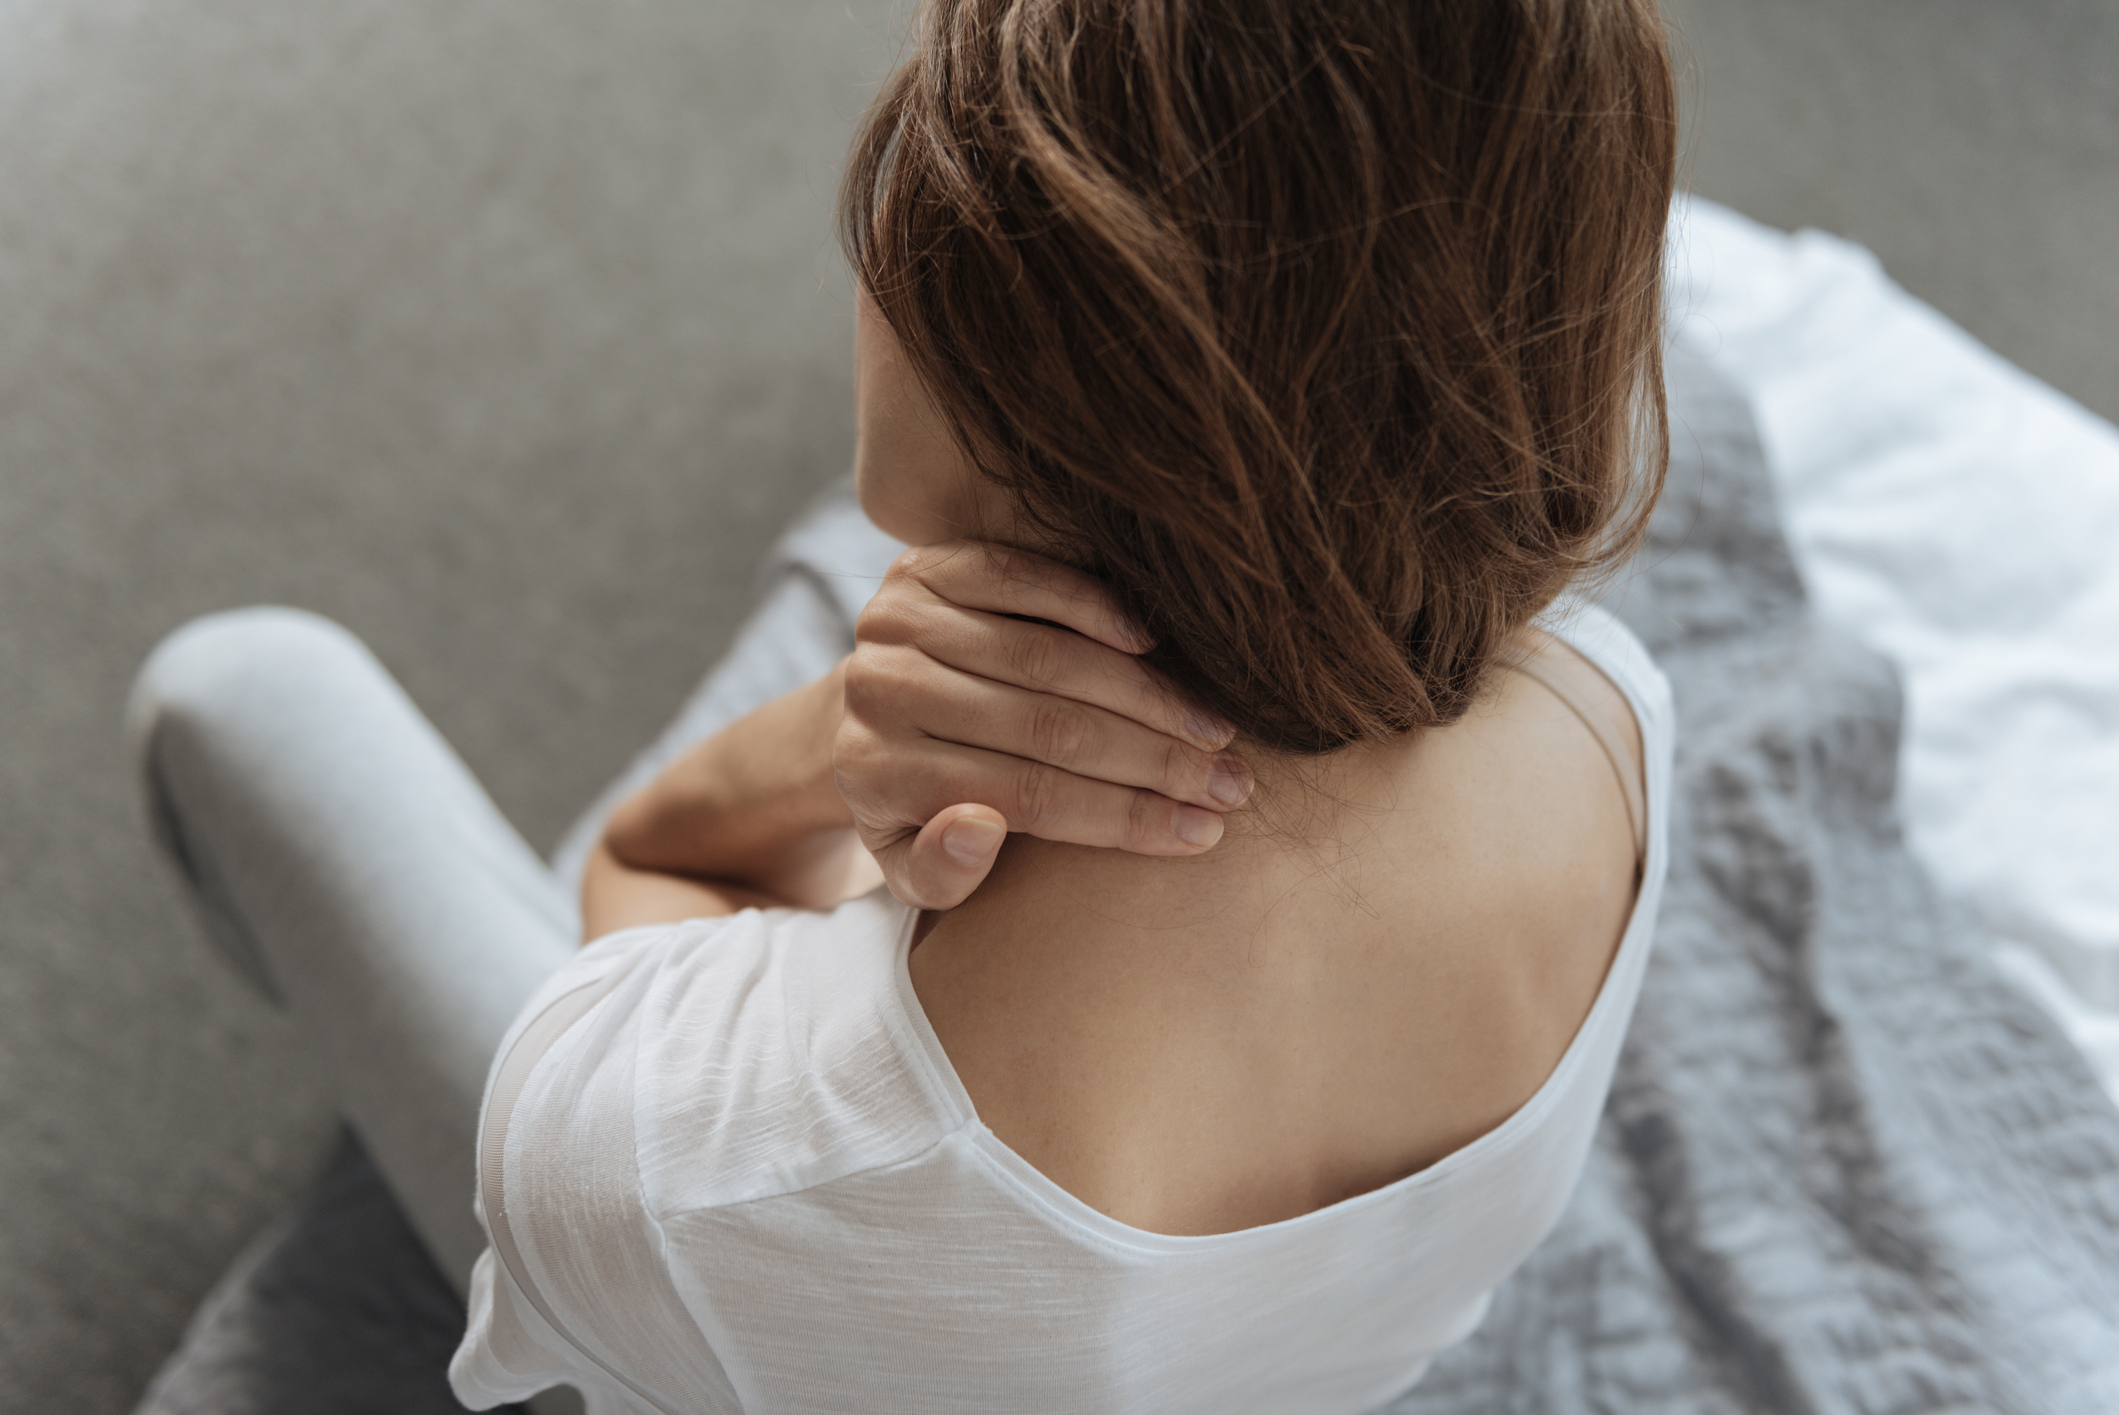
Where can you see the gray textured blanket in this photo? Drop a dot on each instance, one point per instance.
(1845, 1167)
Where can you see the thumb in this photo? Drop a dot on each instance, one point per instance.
(950, 857)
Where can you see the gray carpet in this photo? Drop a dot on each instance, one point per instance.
(503, 333)
(334, 1310)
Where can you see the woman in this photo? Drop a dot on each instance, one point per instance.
(1249, 377)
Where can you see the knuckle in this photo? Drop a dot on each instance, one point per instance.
(1037, 794)
(878, 675)
(866, 674)
(885, 619)
(856, 753)
(1034, 657)
(1059, 732)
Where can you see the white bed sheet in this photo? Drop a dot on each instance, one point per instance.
(1962, 518)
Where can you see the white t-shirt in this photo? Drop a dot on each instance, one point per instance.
(726, 1166)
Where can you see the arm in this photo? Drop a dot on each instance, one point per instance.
(990, 690)
(750, 816)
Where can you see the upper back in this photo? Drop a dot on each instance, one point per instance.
(1327, 1002)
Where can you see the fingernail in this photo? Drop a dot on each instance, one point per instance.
(1195, 826)
(972, 841)
(1230, 780)
(1207, 729)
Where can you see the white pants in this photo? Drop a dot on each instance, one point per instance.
(344, 859)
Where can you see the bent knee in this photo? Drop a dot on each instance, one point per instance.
(223, 669)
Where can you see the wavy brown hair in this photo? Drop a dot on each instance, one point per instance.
(1327, 333)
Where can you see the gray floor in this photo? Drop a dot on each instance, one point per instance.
(505, 331)
(1972, 144)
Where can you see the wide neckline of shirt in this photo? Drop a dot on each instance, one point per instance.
(1626, 964)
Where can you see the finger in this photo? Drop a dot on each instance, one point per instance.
(1076, 737)
(1038, 658)
(1002, 580)
(1035, 798)
(938, 866)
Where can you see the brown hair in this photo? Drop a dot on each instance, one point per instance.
(1327, 333)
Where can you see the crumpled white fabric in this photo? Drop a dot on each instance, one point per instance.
(1962, 518)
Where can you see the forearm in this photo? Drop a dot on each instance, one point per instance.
(750, 816)
(615, 896)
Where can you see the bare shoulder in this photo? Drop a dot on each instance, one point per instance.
(1200, 1045)
(1544, 781)
(1578, 684)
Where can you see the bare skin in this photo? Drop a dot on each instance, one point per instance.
(1206, 1044)
(1361, 965)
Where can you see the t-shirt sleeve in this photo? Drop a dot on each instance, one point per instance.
(669, 1072)
(508, 1354)
(572, 1288)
